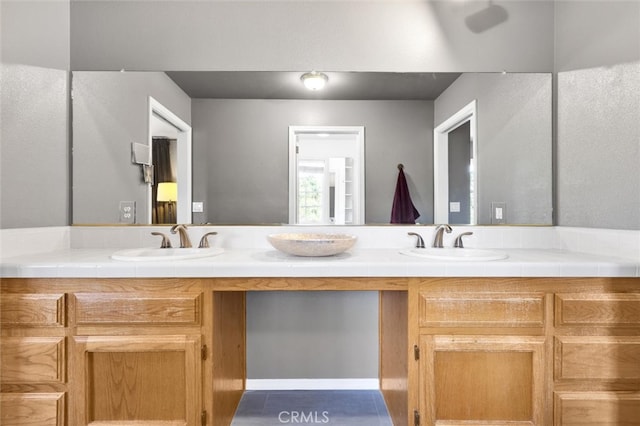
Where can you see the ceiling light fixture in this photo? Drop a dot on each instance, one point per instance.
(314, 80)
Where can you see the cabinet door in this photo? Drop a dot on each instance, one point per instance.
(484, 380)
(155, 380)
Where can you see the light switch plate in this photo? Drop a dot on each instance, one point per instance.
(498, 212)
(454, 207)
(197, 207)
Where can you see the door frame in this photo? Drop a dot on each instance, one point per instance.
(359, 166)
(441, 162)
(184, 166)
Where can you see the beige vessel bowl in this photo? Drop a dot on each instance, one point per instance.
(312, 244)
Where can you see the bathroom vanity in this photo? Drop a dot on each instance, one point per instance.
(453, 350)
(544, 337)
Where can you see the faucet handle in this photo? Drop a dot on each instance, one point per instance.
(204, 241)
(166, 242)
(420, 241)
(458, 241)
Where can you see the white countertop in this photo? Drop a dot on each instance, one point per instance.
(357, 262)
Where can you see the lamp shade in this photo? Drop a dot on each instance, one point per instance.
(168, 191)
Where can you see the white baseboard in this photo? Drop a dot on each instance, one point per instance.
(313, 384)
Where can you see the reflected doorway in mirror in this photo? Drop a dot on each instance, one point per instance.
(161, 117)
(326, 175)
(454, 169)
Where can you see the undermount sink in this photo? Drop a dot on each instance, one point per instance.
(457, 254)
(157, 254)
(312, 244)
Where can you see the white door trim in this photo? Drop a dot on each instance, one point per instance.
(359, 166)
(184, 146)
(441, 161)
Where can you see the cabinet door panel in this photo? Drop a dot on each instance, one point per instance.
(123, 308)
(482, 380)
(32, 310)
(599, 309)
(597, 409)
(597, 358)
(129, 379)
(33, 360)
(481, 310)
(32, 409)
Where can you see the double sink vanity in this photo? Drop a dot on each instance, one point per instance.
(515, 328)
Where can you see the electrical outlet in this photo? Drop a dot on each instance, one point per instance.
(498, 212)
(127, 212)
(454, 207)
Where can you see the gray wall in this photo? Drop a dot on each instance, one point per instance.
(598, 114)
(514, 128)
(110, 111)
(302, 35)
(324, 335)
(34, 154)
(241, 154)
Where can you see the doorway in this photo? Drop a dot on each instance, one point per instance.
(326, 175)
(161, 116)
(455, 195)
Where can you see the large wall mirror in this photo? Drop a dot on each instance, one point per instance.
(240, 141)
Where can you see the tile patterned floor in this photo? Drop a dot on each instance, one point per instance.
(319, 407)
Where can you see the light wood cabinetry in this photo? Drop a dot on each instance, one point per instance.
(479, 356)
(120, 351)
(521, 351)
(33, 358)
(453, 351)
(597, 357)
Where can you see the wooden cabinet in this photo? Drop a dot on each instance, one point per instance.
(131, 379)
(33, 359)
(597, 358)
(102, 352)
(137, 354)
(453, 351)
(482, 380)
(516, 351)
(480, 357)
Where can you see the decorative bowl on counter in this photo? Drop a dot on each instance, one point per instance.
(312, 244)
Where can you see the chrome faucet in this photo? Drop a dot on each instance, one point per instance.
(185, 242)
(440, 230)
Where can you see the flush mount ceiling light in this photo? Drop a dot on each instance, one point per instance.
(314, 80)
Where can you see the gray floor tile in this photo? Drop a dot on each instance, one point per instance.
(327, 407)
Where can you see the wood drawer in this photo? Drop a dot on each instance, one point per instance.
(481, 310)
(25, 409)
(136, 308)
(33, 360)
(599, 309)
(597, 358)
(32, 310)
(596, 408)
